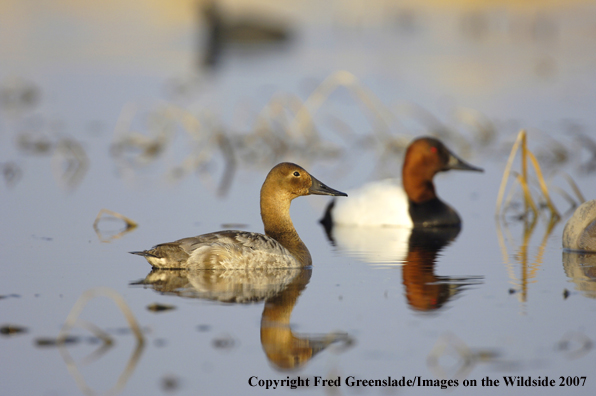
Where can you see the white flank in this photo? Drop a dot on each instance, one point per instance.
(376, 204)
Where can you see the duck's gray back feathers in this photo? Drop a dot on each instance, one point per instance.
(230, 249)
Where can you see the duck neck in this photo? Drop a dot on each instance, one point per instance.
(277, 339)
(418, 186)
(275, 212)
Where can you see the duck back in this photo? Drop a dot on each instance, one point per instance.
(230, 249)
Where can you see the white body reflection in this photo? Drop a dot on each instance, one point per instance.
(415, 250)
(377, 245)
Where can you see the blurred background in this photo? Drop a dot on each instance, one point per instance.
(126, 73)
(85, 69)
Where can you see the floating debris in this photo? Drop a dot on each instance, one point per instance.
(106, 214)
(203, 328)
(170, 383)
(119, 331)
(9, 330)
(53, 342)
(18, 95)
(462, 358)
(575, 344)
(42, 238)
(35, 142)
(566, 294)
(11, 172)
(225, 341)
(9, 296)
(156, 307)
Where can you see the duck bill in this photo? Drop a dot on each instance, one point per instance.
(318, 188)
(458, 164)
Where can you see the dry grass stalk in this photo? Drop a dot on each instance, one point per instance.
(73, 317)
(129, 225)
(73, 320)
(338, 79)
(69, 162)
(523, 180)
(575, 188)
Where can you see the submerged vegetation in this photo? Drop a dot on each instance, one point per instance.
(535, 200)
(106, 341)
(313, 130)
(523, 180)
(193, 140)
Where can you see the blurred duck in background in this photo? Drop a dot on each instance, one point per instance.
(256, 32)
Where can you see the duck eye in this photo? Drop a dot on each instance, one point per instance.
(297, 174)
(433, 150)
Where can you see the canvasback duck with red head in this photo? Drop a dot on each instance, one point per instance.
(412, 204)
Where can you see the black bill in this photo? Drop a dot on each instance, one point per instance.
(319, 188)
(457, 163)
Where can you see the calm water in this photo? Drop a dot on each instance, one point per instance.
(119, 118)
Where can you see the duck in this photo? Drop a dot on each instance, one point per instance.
(251, 33)
(411, 203)
(579, 233)
(279, 247)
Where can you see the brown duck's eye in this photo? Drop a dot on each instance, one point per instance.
(297, 174)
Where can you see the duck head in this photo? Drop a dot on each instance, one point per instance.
(425, 157)
(294, 181)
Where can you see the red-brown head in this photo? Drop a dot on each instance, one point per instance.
(424, 158)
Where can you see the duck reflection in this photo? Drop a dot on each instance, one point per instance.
(580, 267)
(279, 288)
(415, 250)
(426, 291)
